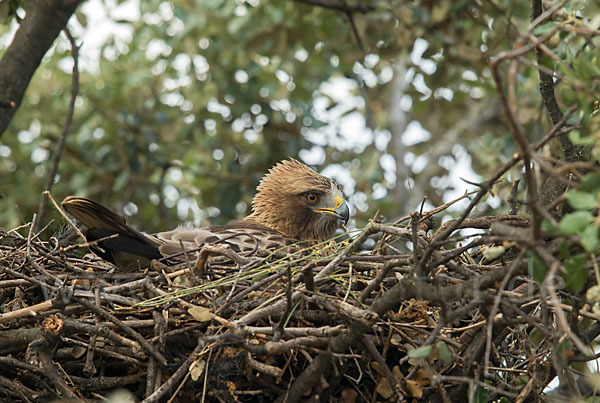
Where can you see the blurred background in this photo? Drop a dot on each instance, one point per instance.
(183, 105)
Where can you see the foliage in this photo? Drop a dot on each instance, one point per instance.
(190, 102)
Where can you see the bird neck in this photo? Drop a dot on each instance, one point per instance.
(272, 221)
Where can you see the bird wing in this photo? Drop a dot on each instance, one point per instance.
(242, 236)
(129, 249)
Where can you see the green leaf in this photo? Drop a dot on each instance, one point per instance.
(481, 395)
(420, 352)
(590, 182)
(492, 252)
(549, 228)
(574, 223)
(538, 268)
(581, 200)
(445, 353)
(544, 28)
(576, 273)
(536, 337)
(589, 239)
(579, 139)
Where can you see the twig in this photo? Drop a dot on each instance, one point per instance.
(381, 275)
(88, 368)
(493, 310)
(28, 311)
(509, 106)
(414, 224)
(106, 352)
(359, 8)
(135, 335)
(512, 201)
(325, 331)
(449, 378)
(308, 277)
(70, 326)
(382, 364)
(354, 30)
(563, 324)
(67, 219)
(332, 266)
(17, 388)
(438, 209)
(65, 130)
(255, 286)
(289, 305)
(263, 368)
(176, 377)
(52, 373)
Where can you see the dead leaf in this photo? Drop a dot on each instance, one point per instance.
(180, 280)
(196, 368)
(414, 387)
(349, 395)
(82, 282)
(375, 365)
(397, 373)
(78, 351)
(384, 388)
(422, 377)
(200, 313)
(396, 339)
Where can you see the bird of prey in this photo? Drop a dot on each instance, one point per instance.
(293, 203)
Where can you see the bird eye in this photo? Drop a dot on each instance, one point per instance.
(312, 198)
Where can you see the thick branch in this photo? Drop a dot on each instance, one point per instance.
(571, 152)
(408, 288)
(546, 80)
(359, 8)
(40, 27)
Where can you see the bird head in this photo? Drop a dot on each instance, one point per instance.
(298, 202)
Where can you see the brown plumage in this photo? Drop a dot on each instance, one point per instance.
(293, 203)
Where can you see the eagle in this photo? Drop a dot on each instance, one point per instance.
(293, 204)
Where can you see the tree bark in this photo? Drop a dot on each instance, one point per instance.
(552, 187)
(40, 27)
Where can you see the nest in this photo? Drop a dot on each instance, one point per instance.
(385, 315)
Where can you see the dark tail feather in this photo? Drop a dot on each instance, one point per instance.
(129, 250)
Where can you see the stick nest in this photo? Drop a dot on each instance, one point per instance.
(392, 313)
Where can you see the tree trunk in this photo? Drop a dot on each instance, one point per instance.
(40, 27)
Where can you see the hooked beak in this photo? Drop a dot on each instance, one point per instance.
(340, 211)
